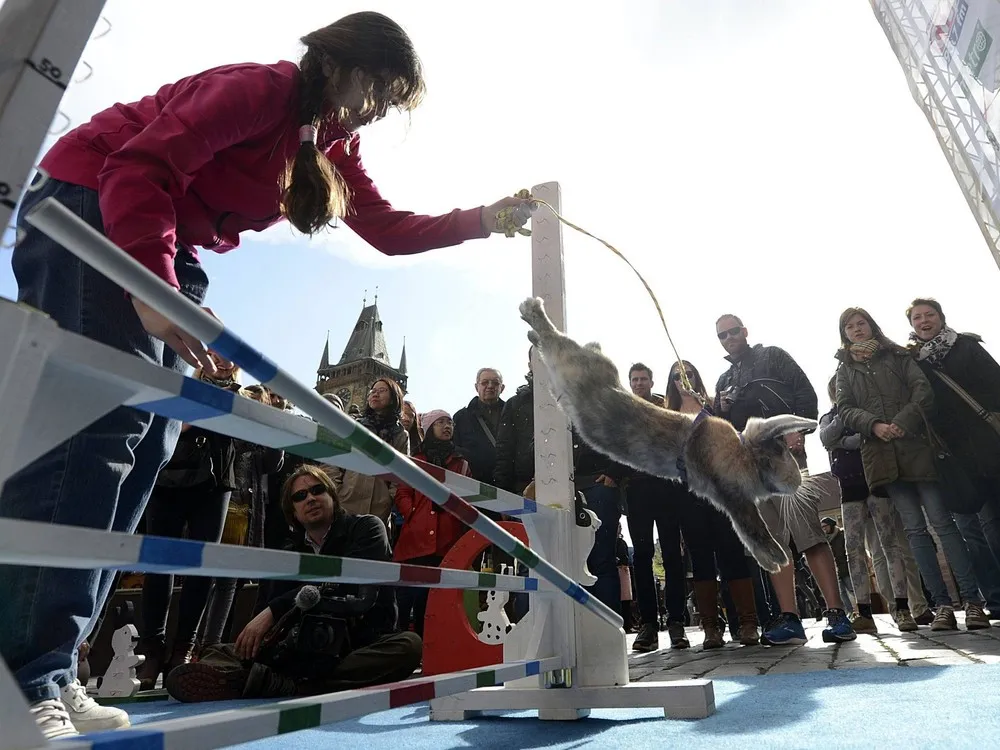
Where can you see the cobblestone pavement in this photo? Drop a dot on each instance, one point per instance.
(889, 648)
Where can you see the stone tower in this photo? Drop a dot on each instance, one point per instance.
(365, 359)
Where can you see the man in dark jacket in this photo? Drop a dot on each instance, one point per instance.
(515, 465)
(276, 654)
(478, 425)
(764, 381)
(652, 503)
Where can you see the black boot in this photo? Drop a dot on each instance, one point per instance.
(264, 682)
(648, 638)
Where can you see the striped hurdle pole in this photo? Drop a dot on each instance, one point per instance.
(263, 720)
(98, 251)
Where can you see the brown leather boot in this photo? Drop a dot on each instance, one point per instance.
(83, 663)
(706, 596)
(149, 671)
(742, 592)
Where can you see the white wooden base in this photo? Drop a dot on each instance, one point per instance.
(680, 699)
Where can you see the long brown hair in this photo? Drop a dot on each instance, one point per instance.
(314, 192)
(416, 434)
(673, 397)
(877, 334)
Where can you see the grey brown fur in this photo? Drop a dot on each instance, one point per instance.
(729, 472)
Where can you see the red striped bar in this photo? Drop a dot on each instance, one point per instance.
(419, 574)
(460, 509)
(404, 696)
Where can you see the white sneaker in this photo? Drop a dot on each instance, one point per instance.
(52, 719)
(87, 714)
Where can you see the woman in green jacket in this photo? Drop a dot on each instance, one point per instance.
(883, 395)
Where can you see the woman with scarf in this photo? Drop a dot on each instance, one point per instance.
(359, 493)
(961, 371)
(884, 396)
(427, 533)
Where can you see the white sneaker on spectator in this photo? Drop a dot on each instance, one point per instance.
(52, 719)
(87, 714)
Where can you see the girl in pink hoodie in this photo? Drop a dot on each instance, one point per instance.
(202, 160)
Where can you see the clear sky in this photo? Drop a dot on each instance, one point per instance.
(760, 157)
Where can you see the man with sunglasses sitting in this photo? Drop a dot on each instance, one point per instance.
(764, 381)
(311, 639)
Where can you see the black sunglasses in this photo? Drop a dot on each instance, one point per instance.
(723, 335)
(677, 376)
(316, 490)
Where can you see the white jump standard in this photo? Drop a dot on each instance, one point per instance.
(565, 657)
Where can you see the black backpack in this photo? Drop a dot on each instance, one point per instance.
(847, 465)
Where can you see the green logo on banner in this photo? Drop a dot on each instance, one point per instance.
(979, 48)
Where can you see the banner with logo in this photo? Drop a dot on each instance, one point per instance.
(974, 32)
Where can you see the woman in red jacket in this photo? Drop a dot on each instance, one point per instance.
(202, 160)
(427, 533)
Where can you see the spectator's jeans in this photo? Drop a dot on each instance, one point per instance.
(912, 499)
(983, 562)
(602, 561)
(102, 477)
(846, 594)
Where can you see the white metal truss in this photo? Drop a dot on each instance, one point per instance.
(939, 87)
(41, 42)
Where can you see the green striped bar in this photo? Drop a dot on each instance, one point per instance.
(319, 565)
(301, 717)
(325, 445)
(525, 555)
(488, 580)
(486, 492)
(486, 679)
(371, 446)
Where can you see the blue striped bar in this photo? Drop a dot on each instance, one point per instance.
(131, 739)
(532, 668)
(236, 350)
(578, 593)
(170, 553)
(530, 506)
(196, 401)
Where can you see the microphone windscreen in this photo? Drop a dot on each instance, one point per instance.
(307, 598)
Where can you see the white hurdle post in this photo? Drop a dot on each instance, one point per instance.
(595, 656)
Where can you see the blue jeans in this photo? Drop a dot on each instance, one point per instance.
(912, 499)
(983, 562)
(602, 561)
(100, 478)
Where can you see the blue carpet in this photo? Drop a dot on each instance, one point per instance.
(897, 707)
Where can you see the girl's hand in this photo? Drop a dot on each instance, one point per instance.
(883, 431)
(188, 348)
(489, 213)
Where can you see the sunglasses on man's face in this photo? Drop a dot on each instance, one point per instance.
(316, 490)
(723, 335)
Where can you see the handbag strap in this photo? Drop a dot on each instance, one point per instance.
(937, 444)
(486, 429)
(985, 414)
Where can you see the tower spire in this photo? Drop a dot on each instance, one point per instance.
(402, 358)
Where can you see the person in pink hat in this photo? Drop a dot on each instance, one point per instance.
(428, 532)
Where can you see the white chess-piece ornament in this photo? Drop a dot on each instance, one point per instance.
(120, 680)
(496, 624)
